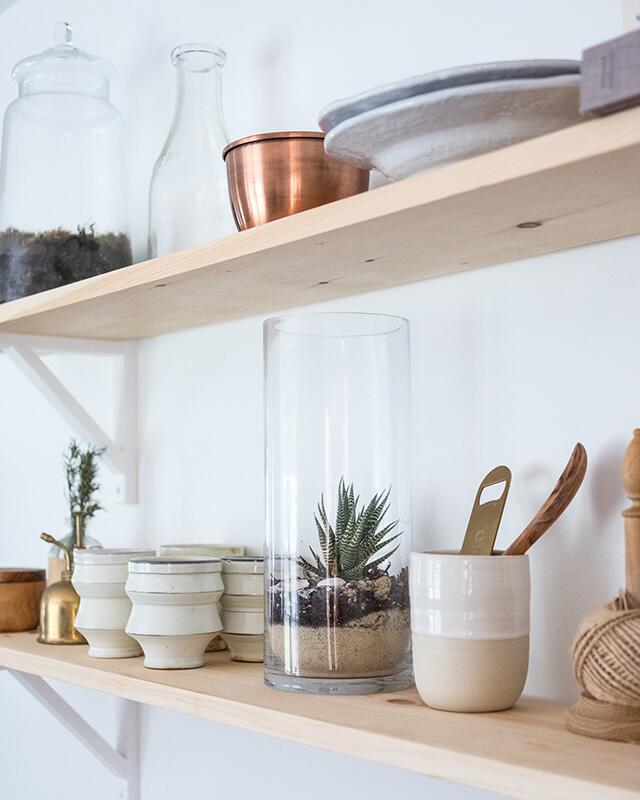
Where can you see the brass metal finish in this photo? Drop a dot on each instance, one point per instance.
(485, 517)
(78, 526)
(59, 606)
(273, 175)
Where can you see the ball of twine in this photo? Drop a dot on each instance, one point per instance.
(606, 653)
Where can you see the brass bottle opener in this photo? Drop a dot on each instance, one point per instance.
(485, 517)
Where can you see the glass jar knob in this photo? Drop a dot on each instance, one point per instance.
(62, 34)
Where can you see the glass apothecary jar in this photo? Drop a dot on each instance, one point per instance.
(62, 198)
(338, 505)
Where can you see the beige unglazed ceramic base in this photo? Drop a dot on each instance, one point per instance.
(470, 674)
(245, 647)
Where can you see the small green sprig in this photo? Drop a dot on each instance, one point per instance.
(81, 473)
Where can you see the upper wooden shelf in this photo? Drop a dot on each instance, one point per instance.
(579, 185)
(525, 752)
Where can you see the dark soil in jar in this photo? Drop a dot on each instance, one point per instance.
(340, 605)
(35, 262)
(357, 629)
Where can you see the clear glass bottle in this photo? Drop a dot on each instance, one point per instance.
(78, 539)
(62, 197)
(189, 196)
(338, 511)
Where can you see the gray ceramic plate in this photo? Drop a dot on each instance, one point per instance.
(434, 129)
(340, 110)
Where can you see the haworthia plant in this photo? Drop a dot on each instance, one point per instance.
(348, 548)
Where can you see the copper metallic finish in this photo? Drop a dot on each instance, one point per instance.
(273, 175)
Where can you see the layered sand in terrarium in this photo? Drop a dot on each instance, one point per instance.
(356, 629)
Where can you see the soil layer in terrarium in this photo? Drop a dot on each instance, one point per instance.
(360, 628)
(35, 262)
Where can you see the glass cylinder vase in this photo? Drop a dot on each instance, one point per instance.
(338, 505)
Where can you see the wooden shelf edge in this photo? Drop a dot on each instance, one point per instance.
(394, 730)
(281, 264)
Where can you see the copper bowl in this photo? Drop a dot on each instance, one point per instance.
(273, 175)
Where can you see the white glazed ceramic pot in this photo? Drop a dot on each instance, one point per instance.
(245, 647)
(202, 549)
(243, 615)
(243, 602)
(470, 629)
(244, 622)
(243, 576)
(175, 612)
(99, 578)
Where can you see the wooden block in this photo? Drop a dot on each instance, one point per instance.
(611, 75)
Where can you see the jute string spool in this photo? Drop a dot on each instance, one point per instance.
(606, 650)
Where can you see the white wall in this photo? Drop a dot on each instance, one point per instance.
(511, 364)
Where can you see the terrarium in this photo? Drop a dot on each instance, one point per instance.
(338, 503)
(62, 211)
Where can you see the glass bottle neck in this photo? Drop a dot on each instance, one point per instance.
(198, 117)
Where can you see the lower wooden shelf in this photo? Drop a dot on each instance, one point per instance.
(525, 752)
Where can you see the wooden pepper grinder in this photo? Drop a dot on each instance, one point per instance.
(631, 480)
(606, 650)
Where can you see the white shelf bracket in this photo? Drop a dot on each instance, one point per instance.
(120, 451)
(122, 761)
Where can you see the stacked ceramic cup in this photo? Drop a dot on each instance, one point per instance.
(175, 609)
(243, 607)
(203, 549)
(99, 578)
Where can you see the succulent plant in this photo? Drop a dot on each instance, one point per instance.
(348, 550)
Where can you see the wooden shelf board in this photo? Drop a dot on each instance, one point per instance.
(525, 752)
(581, 183)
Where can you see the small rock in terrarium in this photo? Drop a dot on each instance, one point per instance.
(351, 614)
(34, 262)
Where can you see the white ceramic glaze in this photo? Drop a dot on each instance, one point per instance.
(437, 128)
(200, 549)
(239, 584)
(246, 565)
(167, 574)
(449, 78)
(242, 622)
(245, 648)
(174, 652)
(469, 597)
(470, 629)
(99, 579)
(249, 602)
(243, 576)
(175, 612)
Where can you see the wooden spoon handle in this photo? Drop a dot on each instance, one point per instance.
(563, 493)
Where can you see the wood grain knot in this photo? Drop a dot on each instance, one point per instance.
(529, 225)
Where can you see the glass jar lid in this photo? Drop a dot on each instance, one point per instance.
(64, 68)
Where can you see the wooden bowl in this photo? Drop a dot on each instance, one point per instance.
(20, 593)
(273, 175)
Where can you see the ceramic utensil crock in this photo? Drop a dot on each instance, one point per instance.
(99, 578)
(175, 609)
(243, 607)
(470, 629)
